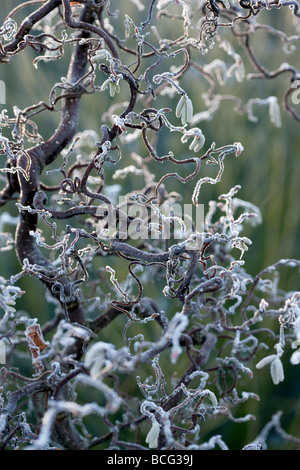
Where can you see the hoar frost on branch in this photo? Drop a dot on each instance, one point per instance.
(188, 352)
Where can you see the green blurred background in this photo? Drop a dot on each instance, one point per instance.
(268, 171)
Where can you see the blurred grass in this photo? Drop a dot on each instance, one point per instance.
(268, 172)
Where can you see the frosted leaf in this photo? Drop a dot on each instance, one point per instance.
(184, 109)
(274, 111)
(276, 366)
(95, 358)
(266, 360)
(198, 139)
(112, 84)
(277, 372)
(295, 358)
(36, 344)
(152, 436)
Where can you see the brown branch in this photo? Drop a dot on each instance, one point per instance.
(40, 156)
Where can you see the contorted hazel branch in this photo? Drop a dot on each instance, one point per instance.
(150, 309)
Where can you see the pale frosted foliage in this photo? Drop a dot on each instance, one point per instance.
(277, 372)
(197, 137)
(184, 109)
(152, 436)
(95, 359)
(295, 357)
(266, 360)
(130, 315)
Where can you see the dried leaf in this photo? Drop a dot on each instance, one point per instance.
(36, 345)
